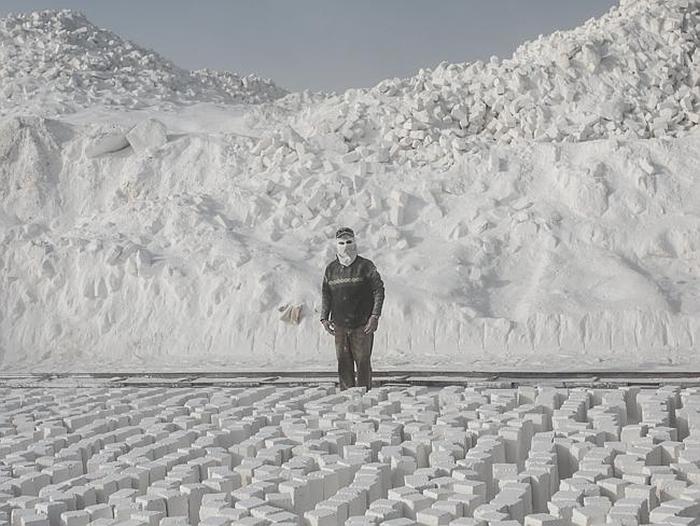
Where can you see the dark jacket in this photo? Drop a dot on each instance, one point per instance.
(350, 295)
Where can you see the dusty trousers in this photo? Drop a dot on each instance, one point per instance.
(354, 347)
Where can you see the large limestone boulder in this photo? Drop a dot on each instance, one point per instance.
(147, 135)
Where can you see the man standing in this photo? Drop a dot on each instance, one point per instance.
(352, 298)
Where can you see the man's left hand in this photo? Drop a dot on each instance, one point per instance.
(372, 324)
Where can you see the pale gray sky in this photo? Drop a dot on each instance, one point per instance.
(327, 44)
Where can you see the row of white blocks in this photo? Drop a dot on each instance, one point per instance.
(314, 456)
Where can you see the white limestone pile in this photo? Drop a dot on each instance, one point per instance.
(631, 73)
(190, 235)
(56, 61)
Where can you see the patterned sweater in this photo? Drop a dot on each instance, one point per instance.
(350, 295)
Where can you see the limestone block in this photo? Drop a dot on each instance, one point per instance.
(52, 510)
(99, 511)
(147, 135)
(75, 518)
(321, 517)
(34, 519)
(434, 517)
(543, 519)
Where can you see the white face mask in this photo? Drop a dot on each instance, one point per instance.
(346, 250)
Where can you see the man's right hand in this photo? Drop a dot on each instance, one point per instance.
(328, 325)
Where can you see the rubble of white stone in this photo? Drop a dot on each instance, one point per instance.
(57, 61)
(149, 233)
(314, 456)
(130, 246)
(632, 73)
